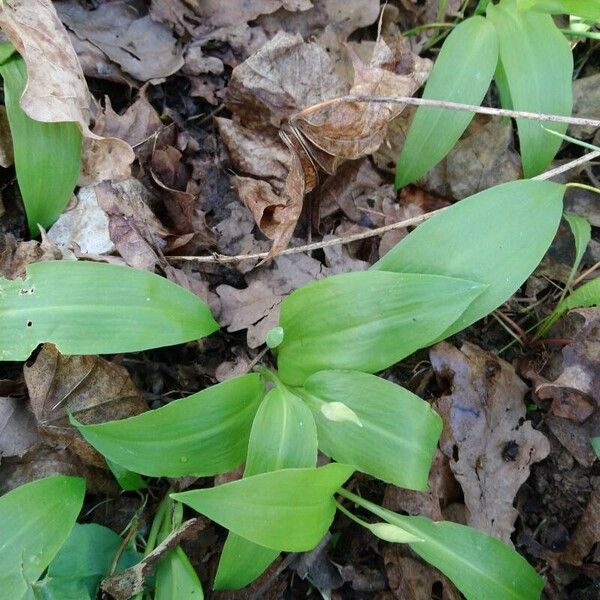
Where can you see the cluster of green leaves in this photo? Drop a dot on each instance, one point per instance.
(47, 155)
(519, 45)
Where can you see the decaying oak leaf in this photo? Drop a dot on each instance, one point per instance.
(18, 431)
(575, 394)
(586, 534)
(292, 86)
(486, 437)
(15, 255)
(91, 388)
(56, 90)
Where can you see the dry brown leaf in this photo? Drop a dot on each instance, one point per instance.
(43, 461)
(56, 89)
(94, 390)
(6, 147)
(575, 394)
(575, 437)
(586, 534)
(15, 256)
(18, 431)
(144, 49)
(135, 125)
(586, 102)
(486, 437)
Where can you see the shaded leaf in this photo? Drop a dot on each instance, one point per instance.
(283, 436)
(95, 308)
(582, 232)
(596, 445)
(398, 434)
(462, 73)
(460, 242)
(47, 155)
(366, 321)
(480, 566)
(538, 64)
(36, 520)
(584, 296)
(177, 578)
(286, 510)
(203, 434)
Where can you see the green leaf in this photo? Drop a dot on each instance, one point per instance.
(393, 533)
(176, 578)
(36, 520)
(584, 296)
(399, 432)
(6, 51)
(128, 480)
(462, 73)
(96, 308)
(287, 510)
(283, 436)
(480, 566)
(497, 237)
(84, 559)
(47, 155)
(204, 434)
(596, 445)
(366, 321)
(538, 64)
(582, 232)
(586, 9)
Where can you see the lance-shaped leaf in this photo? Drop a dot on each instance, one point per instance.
(586, 9)
(177, 578)
(462, 72)
(288, 510)
(283, 436)
(497, 237)
(204, 434)
(47, 155)
(36, 520)
(366, 321)
(538, 64)
(480, 566)
(582, 233)
(399, 432)
(96, 308)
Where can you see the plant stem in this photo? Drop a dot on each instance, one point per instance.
(592, 35)
(583, 186)
(351, 516)
(419, 28)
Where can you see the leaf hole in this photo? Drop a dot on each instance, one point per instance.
(29, 323)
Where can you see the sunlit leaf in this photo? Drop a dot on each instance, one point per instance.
(287, 510)
(47, 155)
(36, 520)
(480, 566)
(538, 64)
(96, 308)
(586, 9)
(399, 432)
(176, 578)
(462, 72)
(283, 436)
(203, 434)
(498, 237)
(366, 321)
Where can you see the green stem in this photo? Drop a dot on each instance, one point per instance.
(592, 35)
(418, 29)
(351, 516)
(583, 186)
(370, 506)
(157, 523)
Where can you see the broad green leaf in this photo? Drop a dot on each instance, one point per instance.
(462, 72)
(283, 436)
(287, 510)
(128, 480)
(582, 233)
(366, 321)
(538, 64)
(96, 308)
(584, 296)
(586, 9)
(204, 434)
(36, 520)
(47, 155)
(498, 237)
(176, 578)
(399, 432)
(84, 559)
(480, 566)
(6, 51)
(596, 445)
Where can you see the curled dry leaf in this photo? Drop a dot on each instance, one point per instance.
(486, 437)
(15, 256)
(56, 89)
(292, 86)
(91, 388)
(575, 394)
(18, 431)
